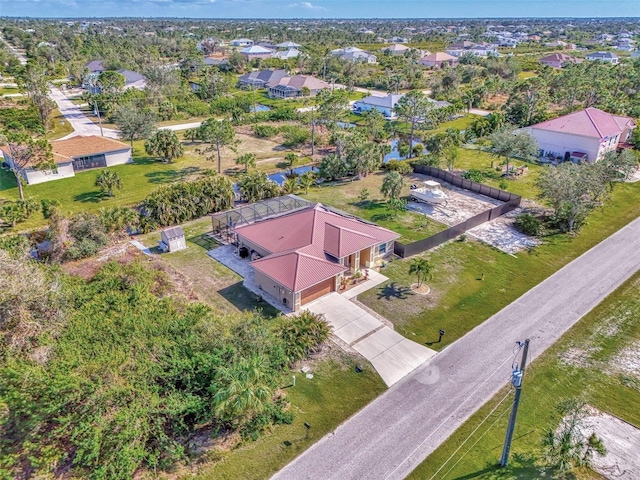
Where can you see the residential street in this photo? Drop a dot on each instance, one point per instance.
(78, 120)
(397, 431)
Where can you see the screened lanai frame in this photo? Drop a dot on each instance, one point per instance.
(223, 223)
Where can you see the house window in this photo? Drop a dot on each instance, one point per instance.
(382, 248)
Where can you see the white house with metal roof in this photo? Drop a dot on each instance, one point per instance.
(384, 105)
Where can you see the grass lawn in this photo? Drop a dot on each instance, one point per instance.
(523, 185)
(9, 90)
(582, 363)
(460, 300)
(334, 394)
(60, 126)
(344, 196)
(214, 283)
(525, 75)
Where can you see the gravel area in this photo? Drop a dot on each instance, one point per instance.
(501, 233)
(461, 204)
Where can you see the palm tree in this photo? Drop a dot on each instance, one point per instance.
(422, 269)
(291, 159)
(290, 185)
(108, 180)
(164, 144)
(248, 160)
(242, 389)
(307, 180)
(392, 185)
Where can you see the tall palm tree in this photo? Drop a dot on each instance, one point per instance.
(422, 268)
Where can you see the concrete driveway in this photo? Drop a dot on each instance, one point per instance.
(78, 120)
(392, 355)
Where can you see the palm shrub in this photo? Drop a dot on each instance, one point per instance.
(108, 181)
(528, 224)
(422, 268)
(303, 334)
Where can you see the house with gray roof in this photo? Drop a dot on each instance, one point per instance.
(384, 105)
(260, 79)
(606, 57)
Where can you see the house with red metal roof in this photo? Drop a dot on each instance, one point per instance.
(585, 135)
(301, 256)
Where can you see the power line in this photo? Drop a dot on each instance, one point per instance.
(476, 442)
(452, 414)
(470, 435)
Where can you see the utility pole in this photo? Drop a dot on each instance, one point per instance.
(516, 380)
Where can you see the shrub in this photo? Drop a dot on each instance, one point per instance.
(400, 166)
(265, 131)
(474, 175)
(528, 224)
(303, 334)
(49, 207)
(294, 136)
(193, 108)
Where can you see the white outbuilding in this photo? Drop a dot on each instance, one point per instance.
(172, 240)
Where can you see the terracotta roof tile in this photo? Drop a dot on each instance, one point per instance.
(91, 145)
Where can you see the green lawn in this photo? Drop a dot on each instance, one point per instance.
(461, 300)
(523, 185)
(344, 196)
(525, 75)
(600, 336)
(214, 283)
(334, 394)
(60, 126)
(9, 90)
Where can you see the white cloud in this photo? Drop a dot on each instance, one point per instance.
(306, 5)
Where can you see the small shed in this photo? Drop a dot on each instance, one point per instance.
(172, 240)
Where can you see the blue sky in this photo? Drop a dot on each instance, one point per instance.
(320, 8)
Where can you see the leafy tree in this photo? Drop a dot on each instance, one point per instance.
(413, 108)
(528, 224)
(111, 82)
(117, 219)
(247, 160)
(164, 144)
(392, 185)
(192, 134)
(333, 106)
(361, 155)
(567, 447)
(218, 134)
(396, 205)
(363, 196)
(573, 191)
(527, 102)
(422, 268)
(374, 125)
(133, 123)
(508, 142)
(25, 153)
(35, 83)
(451, 155)
(108, 181)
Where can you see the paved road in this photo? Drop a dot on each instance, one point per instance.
(81, 124)
(14, 51)
(397, 431)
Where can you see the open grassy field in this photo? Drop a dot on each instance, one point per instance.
(344, 196)
(584, 363)
(460, 299)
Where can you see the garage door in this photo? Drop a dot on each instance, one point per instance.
(317, 291)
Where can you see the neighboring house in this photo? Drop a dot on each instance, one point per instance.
(354, 54)
(256, 51)
(470, 48)
(76, 154)
(291, 87)
(560, 43)
(172, 240)
(398, 40)
(385, 105)
(131, 80)
(558, 60)
(625, 45)
(241, 42)
(301, 256)
(606, 57)
(95, 66)
(288, 45)
(260, 79)
(438, 60)
(396, 49)
(215, 59)
(586, 135)
(287, 54)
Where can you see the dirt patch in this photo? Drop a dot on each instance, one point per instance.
(502, 234)
(628, 361)
(578, 357)
(86, 268)
(622, 441)
(420, 289)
